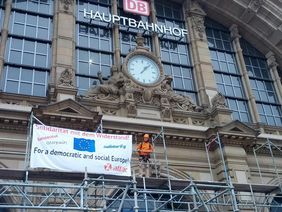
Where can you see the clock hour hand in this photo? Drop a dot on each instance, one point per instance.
(144, 69)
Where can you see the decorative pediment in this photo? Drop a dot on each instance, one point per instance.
(234, 130)
(68, 113)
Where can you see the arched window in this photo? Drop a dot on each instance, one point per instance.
(228, 77)
(94, 50)
(262, 86)
(175, 53)
(28, 52)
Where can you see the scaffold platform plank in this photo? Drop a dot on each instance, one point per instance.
(160, 183)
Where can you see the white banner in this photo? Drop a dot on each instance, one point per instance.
(72, 150)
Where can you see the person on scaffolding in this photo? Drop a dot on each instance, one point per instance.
(144, 149)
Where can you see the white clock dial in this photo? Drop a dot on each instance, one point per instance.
(143, 69)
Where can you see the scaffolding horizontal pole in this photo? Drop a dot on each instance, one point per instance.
(45, 177)
(50, 208)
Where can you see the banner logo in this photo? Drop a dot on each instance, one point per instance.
(137, 7)
(108, 167)
(82, 144)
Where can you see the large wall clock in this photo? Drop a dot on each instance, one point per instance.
(144, 69)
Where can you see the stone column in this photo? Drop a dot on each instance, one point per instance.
(235, 37)
(116, 40)
(200, 54)
(272, 64)
(4, 33)
(155, 38)
(62, 77)
(236, 161)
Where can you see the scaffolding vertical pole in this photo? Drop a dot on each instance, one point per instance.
(154, 155)
(195, 206)
(28, 143)
(100, 127)
(135, 193)
(208, 157)
(222, 158)
(166, 159)
(253, 197)
(273, 161)
(260, 175)
(84, 190)
(228, 179)
(104, 195)
(145, 195)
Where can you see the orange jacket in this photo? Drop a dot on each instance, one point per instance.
(145, 148)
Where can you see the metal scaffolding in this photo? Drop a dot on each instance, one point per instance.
(217, 141)
(271, 147)
(73, 191)
(57, 191)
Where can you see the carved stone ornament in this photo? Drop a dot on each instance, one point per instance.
(166, 114)
(177, 101)
(195, 9)
(271, 60)
(256, 4)
(67, 4)
(197, 15)
(218, 101)
(234, 32)
(131, 110)
(110, 89)
(198, 25)
(66, 78)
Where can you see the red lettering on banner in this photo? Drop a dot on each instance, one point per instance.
(136, 6)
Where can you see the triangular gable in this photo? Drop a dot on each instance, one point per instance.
(68, 114)
(66, 107)
(239, 128)
(235, 128)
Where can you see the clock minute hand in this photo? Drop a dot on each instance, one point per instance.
(144, 69)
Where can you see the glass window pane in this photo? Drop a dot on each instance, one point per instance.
(28, 59)
(16, 43)
(176, 71)
(39, 90)
(27, 75)
(42, 33)
(83, 68)
(13, 73)
(178, 83)
(18, 29)
(41, 48)
(29, 46)
(30, 31)
(39, 77)
(40, 60)
(12, 86)
(15, 57)
(26, 88)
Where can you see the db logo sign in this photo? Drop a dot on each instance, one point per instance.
(136, 6)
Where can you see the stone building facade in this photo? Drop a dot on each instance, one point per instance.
(223, 76)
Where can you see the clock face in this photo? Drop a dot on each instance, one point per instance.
(143, 69)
